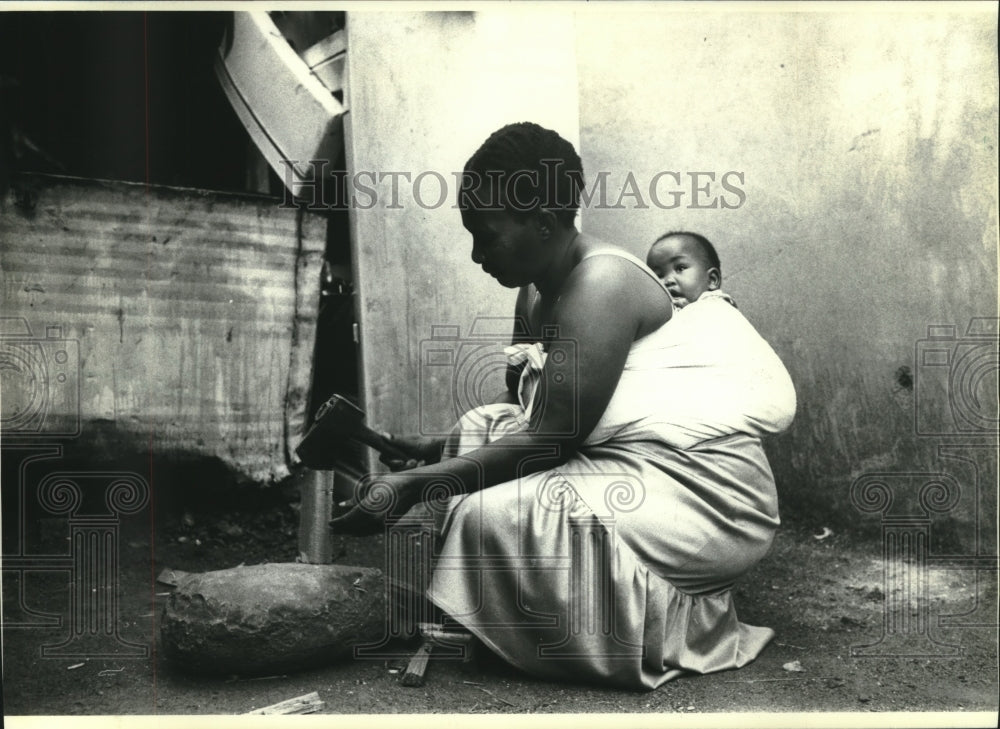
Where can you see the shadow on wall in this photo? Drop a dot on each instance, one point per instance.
(113, 475)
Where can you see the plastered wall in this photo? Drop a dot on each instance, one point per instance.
(425, 90)
(863, 212)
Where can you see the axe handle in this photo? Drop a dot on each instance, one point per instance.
(380, 443)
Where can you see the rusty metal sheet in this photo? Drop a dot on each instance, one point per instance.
(186, 319)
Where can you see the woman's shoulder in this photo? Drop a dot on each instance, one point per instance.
(624, 283)
(594, 247)
(597, 254)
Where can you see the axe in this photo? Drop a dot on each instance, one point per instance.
(336, 419)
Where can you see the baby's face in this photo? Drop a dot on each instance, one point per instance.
(680, 264)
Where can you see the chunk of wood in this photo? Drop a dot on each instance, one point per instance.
(414, 675)
(171, 577)
(305, 704)
(271, 618)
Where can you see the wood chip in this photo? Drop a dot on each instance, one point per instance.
(414, 675)
(171, 577)
(305, 704)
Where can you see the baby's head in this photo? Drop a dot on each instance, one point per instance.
(687, 264)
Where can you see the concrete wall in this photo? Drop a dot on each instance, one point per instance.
(425, 89)
(867, 210)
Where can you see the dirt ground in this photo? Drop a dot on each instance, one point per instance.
(822, 595)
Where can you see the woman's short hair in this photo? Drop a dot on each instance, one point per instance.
(521, 168)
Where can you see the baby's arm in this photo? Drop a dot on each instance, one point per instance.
(519, 335)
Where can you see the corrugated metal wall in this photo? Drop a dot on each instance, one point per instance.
(193, 315)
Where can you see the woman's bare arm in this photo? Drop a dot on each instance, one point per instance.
(605, 303)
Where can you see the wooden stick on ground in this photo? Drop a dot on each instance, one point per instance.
(305, 704)
(498, 698)
(414, 675)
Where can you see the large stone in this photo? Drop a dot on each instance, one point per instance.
(271, 617)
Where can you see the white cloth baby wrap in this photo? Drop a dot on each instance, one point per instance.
(705, 374)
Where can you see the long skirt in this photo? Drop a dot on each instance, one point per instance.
(616, 567)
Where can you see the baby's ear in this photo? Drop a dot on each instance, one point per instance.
(714, 279)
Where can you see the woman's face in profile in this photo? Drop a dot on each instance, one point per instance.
(509, 249)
